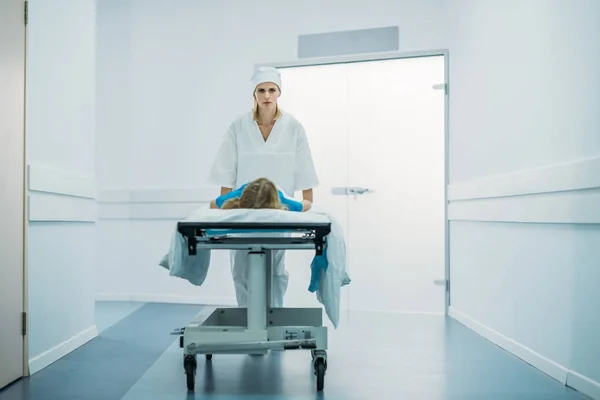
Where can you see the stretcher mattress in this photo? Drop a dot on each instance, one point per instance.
(194, 267)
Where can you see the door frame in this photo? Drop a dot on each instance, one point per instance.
(355, 58)
(26, 370)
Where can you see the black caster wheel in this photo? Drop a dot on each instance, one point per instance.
(209, 357)
(320, 367)
(189, 364)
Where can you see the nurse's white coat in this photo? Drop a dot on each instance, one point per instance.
(285, 157)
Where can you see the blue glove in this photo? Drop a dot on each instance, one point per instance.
(319, 263)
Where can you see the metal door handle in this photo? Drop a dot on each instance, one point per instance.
(357, 190)
(349, 190)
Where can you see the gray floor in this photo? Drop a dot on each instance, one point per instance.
(372, 356)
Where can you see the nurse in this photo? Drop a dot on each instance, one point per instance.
(264, 142)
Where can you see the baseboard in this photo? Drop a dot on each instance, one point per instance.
(41, 361)
(574, 380)
(547, 366)
(584, 385)
(167, 298)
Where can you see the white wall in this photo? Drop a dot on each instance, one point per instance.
(171, 77)
(62, 188)
(524, 96)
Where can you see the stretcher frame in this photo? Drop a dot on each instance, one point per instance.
(259, 327)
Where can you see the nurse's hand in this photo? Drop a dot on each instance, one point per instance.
(306, 205)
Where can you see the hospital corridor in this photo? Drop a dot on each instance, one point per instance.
(384, 199)
(406, 356)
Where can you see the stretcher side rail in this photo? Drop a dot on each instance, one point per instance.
(205, 233)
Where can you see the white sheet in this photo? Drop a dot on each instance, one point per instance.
(195, 268)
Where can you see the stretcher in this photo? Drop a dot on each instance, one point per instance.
(259, 327)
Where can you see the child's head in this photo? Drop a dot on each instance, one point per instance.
(260, 193)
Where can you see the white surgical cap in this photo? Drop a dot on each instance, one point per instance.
(266, 74)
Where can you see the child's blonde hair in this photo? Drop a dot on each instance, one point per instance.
(260, 193)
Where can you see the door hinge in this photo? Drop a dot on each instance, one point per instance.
(24, 323)
(26, 12)
(441, 86)
(442, 282)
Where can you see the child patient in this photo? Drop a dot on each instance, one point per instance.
(260, 193)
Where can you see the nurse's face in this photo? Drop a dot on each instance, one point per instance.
(266, 95)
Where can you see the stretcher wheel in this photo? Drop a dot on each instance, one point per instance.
(189, 364)
(320, 367)
(209, 357)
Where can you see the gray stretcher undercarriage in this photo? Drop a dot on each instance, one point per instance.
(259, 327)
